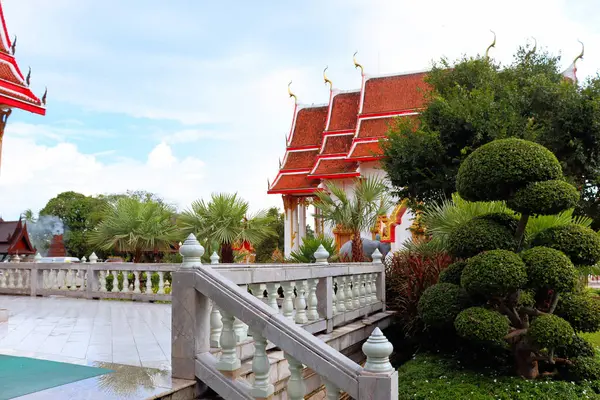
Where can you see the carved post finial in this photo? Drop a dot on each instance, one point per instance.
(214, 258)
(377, 256)
(191, 251)
(378, 350)
(321, 255)
(93, 258)
(37, 257)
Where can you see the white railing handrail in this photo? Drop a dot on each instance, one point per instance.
(290, 338)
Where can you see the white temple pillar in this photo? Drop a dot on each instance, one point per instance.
(295, 230)
(301, 221)
(287, 228)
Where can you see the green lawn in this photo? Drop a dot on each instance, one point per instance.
(428, 377)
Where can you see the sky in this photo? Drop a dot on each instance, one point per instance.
(184, 98)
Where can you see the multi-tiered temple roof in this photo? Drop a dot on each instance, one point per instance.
(329, 141)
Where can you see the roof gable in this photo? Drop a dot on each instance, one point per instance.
(394, 93)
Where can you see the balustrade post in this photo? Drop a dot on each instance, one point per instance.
(340, 305)
(312, 314)
(296, 388)
(92, 281)
(34, 281)
(239, 327)
(229, 361)
(349, 301)
(125, 282)
(380, 288)
(11, 278)
(216, 326)
(326, 301)
(356, 292)
(161, 282)
(301, 317)
(262, 388)
(191, 312)
(115, 285)
(288, 300)
(102, 280)
(272, 295)
(3, 279)
(149, 283)
(362, 282)
(136, 282)
(19, 279)
(214, 258)
(378, 380)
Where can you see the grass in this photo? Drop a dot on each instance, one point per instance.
(429, 377)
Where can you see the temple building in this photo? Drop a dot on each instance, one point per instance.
(14, 240)
(14, 86)
(341, 141)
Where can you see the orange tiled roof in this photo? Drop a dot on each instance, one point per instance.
(334, 167)
(299, 160)
(344, 108)
(336, 144)
(365, 151)
(394, 93)
(294, 183)
(309, 127)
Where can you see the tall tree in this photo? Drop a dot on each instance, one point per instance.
(475, 101)
(357, 212)
(224, 220)
(265, 249)
(134, 226)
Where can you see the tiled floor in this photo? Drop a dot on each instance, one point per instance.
(82, 331)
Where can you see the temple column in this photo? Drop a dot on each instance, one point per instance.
(301, 221)
(295, 230)
(287, 228)
(4, 114)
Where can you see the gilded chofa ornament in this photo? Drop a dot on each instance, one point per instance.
(487, 51)
(13, 48)
(291, 95)
(580, 56)
(356, 64)
(326, 79)
(44, 97)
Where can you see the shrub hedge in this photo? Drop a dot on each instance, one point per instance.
(481, 325)
(494, 273)
(549, 269)
(580, 244)
(440, 304)
(581, 311)
(550, 331)
(478, 235)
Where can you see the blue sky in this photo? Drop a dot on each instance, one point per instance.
(188, 97)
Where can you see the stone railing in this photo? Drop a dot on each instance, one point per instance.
(215, 309)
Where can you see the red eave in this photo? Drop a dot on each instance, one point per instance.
(293, 183)
(23, 105)
(366, 150)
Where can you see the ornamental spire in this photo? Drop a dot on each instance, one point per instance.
(45, 96)
(28, 79)
(292, 94)
(356, 64)
(580, 56)
(487, 51)
(326, 79)
(13, 47)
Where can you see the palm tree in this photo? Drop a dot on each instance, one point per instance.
(133, 226)
(358, 212)
(28, 215)
(224, 220)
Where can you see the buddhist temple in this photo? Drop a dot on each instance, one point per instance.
(14, 240)
(14, 86)
(340, 141)
(57, 247)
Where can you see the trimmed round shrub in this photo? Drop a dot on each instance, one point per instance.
(549, 269)
(481, 325)
(440, 304)
(496, 170)
(580, 244)
(584, 368)
(544, 198)
(494, 273)
(526, 298)
(550, 331)
(478, 235)
(579, 347)
(582, 312)
(507, 219)
(452, 273)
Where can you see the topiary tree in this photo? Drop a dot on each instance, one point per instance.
(527, 293)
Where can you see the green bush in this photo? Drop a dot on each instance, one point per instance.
(580, 244)
(481, 325)
(582, 312)
(478, 235)
(549, 269)
(507, 219)
(495, 170)
(544, 198)
(527, 298)
(579, 347)
(494, 273)
(550, 331)
(440, 304)
(584, 368)
(452, 273)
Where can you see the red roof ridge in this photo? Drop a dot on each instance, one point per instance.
(392, 74)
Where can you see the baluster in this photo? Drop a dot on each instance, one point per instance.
(19, 279)
(341, 295)
(81, 280)
(288, 300)
(149, 283)
(367, 280)
(355, 292)
(312, 312)
(375, 285)
(256, 289)
(45, 279)
(216, 326)
(27, 279)
(125, 282)
(333, 392)
(296, 388)
(272, 294)
(54, 279)
(84, 280)
(102, 280)
(115, 287)
(73, 276)
(362, 290)
(372, 289)
(161, 282)
(61, 277)
(239, 327)
(11, 278)
(349, 302)
(334, 297)
(3, 278)
(301, 317)
(228, 360)
(261, 388)
(136, 282)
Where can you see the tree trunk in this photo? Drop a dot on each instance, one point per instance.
(527, 366)
(520, 234)
(357, 248)
(227, 253)
(137, 256)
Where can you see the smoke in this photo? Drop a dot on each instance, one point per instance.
(42, 230)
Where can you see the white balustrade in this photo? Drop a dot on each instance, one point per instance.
(288, 300)
(312, 313)
(272, 295)
(216, 326)
(229, 360)
(333, 392)
(301, 317)
(340, 305)
(125, 282)
(362, 290)
(136, 282)
(355, 292)
(161, 282)
(334, 297)
(261, 388)
(348, 294)
(296, 388)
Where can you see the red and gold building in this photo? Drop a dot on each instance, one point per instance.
(341, 140)
(14, 239)
(14, 86)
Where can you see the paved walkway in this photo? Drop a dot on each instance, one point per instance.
(81, 331)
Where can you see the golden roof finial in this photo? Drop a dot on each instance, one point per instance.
(44, 97)
(268, 183)
(532, 51)
(580, 56)
(292, 94)
(356, 64)
(487, 51)
(326, 79)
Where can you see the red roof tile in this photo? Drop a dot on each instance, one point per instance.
(344, 109)
(299, 160)
(394, 93)
(376, 127)
(366, 150)
(298, 183)
(337, 144)
(309, 127)
(327, 167)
